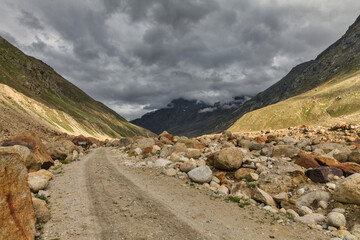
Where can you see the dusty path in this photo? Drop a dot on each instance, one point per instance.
(98, 198)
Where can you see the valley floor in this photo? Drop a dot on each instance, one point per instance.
(100, 198)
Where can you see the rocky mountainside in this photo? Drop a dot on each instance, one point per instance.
(188, 117)
(338, 61)
(33, 93)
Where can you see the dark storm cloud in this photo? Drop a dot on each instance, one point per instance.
(138, 55)
(29, 20)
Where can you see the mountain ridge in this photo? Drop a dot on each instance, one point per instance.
(37, 80)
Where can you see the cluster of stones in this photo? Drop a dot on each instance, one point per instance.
(302, 172)
(26, 166)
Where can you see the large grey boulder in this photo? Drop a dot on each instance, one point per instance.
(201, 174)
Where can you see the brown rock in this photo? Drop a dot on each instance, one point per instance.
(222, 177)
(260, 140)
(42, 213)
(228, 159)
(17, 215)
(31, 161)
(354, 157)
(349, 167)
(187, 166)
(243, 173)
(33, 142)
(167, 135)
(179, 147)
(327, 161)
(60, 150)
(191, 143)
(305, 160)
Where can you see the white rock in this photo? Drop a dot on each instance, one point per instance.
(311, 219)
(201, 174)
(336, 219)
(309, 198)
(162, 162)
(300, 191)
(223, 190)
(331, 185)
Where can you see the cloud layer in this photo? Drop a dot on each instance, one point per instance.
(138, 55)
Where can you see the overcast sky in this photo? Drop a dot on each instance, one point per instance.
(138, 55)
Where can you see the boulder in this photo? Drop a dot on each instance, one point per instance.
(179, 147)
(42, 213)
(305, 160)
(191, 143)
(126, 141)
(144, 143)
(311, 219)
(336, 219)
(354, 157)
(193, 153)
(228, 159)
(39, 180)
(243, 173)
(348, 191)
(201, 174)
(60, 150)
(166, 135)
(284, 151)
(166, 151)
(321, 174)
(33, 142)
(312, 198)
(17, 215)
(187, 166)
(263, 197)
(30, 160)
(162, 162)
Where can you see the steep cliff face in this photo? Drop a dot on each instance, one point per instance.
(39, 82)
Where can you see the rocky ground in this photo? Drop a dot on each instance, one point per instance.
(298, 183)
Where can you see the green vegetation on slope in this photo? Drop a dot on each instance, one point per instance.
(40, 82)
(335, 101)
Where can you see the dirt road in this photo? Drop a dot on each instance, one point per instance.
(99, 198)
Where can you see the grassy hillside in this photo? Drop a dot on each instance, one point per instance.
(338, 100)
(38, 81)
(337, 61)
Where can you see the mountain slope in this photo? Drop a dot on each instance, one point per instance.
(335, 101)
(336, 63)
(41, 83)
(188, 117)
(338, 60)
